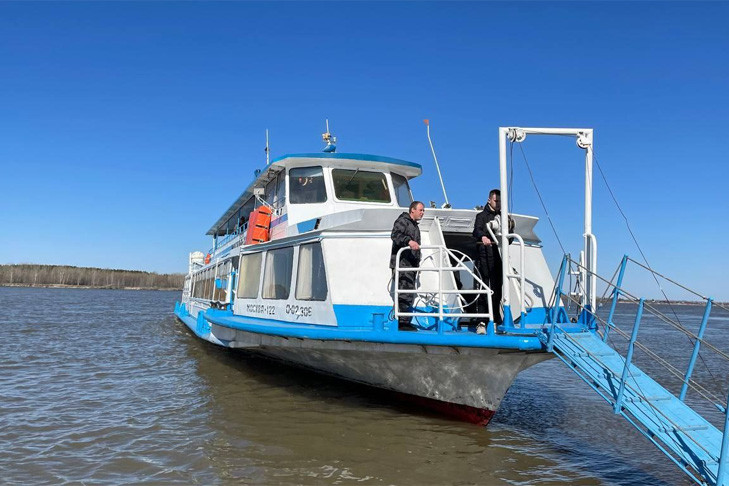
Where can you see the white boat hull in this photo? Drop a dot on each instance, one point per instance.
(468, 382)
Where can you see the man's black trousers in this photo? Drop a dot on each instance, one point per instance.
(489, 264)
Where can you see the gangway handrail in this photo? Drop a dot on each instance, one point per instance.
(656, 312)
(698, 340)
(441, 314)
(701, 390)
(668, 279)
(638, 392)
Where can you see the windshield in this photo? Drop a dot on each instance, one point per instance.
(402, 190)
(359, 185)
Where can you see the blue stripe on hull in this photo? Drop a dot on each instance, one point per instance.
(368, 334)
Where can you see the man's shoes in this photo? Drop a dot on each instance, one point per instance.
(404, 326)
(481, 328)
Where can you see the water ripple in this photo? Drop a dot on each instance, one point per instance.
(105, 387)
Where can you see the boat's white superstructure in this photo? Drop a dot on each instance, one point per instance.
(319, 292)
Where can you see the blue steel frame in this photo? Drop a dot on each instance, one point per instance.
(616, 296)
(697, 345)
(629, 356)
(557, 300)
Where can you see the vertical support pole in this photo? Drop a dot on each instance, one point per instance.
(629, 357)
(584, 140)
(504, 187)
(396, 288)
(721, 473)
(557, 299)
(440, 290)
(695, 353)
(616, 296)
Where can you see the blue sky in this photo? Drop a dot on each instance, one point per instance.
(127, 128)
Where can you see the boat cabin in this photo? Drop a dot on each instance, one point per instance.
(299, 188)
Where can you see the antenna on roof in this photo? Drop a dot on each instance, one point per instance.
(447, 204)
(330, 139)
(267, 148)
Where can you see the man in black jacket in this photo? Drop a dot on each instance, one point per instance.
(489, 258)
(406, 234)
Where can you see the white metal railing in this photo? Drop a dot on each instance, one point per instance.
(443, 312)
(520, 274)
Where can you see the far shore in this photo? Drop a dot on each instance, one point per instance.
(87, 287)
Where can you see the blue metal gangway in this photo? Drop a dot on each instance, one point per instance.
(688, 439)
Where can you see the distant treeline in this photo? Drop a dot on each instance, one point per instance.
(67, 276)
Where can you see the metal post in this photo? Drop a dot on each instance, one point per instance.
(697, 345)
(629, 357)
(584, 140)
(503, 183)
(396, 287)
(724, 450)
(557, 297)
(616, 296)
(440, 290)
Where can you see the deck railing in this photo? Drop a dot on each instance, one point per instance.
(447, 261)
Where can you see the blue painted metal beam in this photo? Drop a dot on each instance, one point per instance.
(695, 353)
(616, 296)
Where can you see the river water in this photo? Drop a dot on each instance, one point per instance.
(107, 387)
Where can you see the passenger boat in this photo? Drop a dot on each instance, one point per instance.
(299, 271)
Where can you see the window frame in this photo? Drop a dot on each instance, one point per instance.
(407, 185)
(264, 290)
(289, 178)
(298, 272)
(360, 201)
(240, 275)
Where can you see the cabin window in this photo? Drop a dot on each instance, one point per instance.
(209, 281)
(249, 276)
(306, 185)
(277, 275)
(220, 293)
(199, 285)
(195, 285)
(270, 191)
(360, 185)
(245, 212)
(402, 190)
(311, 279)
(280, 199)
(220, 283)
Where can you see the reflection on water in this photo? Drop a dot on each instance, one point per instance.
(103, 386)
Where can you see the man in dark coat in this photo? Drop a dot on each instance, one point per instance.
(489, 257)
(406, 234)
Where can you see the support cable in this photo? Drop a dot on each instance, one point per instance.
(653, 273)
(531, 176)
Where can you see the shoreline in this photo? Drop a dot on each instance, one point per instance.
(86, 287)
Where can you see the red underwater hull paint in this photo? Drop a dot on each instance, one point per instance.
(466, 413)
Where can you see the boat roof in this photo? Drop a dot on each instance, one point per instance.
(268, 172)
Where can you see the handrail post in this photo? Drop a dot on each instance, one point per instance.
(724, 449)
(697, 345)
(629, 356)
(616, 296)
(440, 290)
(396, 284)
(557, 297)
